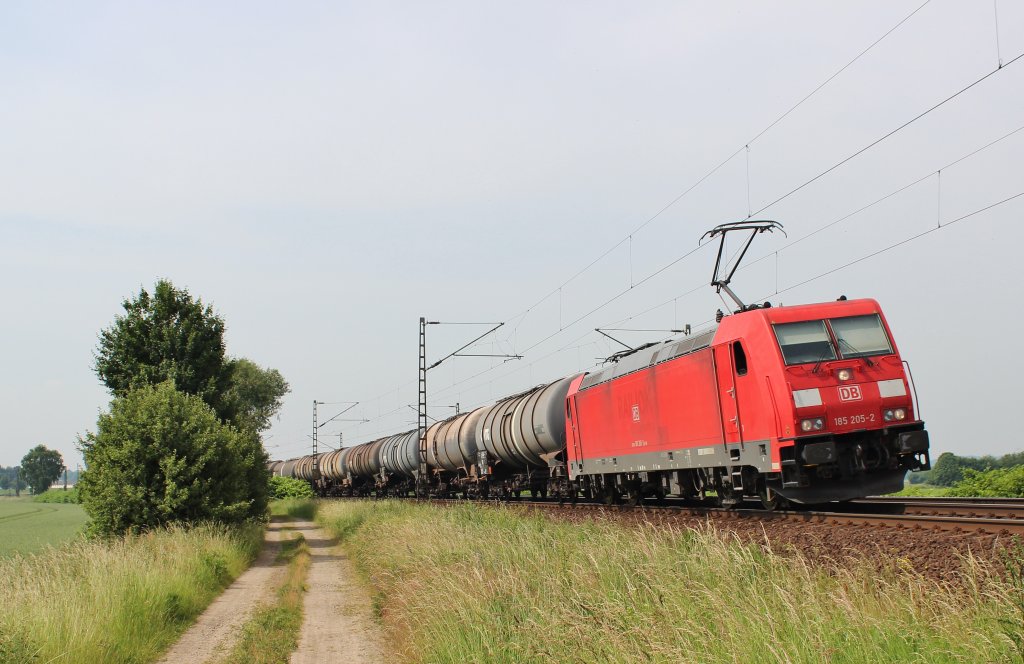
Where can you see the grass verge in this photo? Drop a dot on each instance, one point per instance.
(297, 508)
(480, 584)
(121, 601)
(272, 633)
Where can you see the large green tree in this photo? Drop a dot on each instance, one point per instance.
(169, 335)
(163, 456)
(41, 467)
(253, 395)
(166, 335)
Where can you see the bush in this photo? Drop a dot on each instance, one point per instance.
(58, 496)
(162, 456)
(1001, 482)
(289, 487)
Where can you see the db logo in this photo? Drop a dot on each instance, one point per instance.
(636, 412)
(849, 393)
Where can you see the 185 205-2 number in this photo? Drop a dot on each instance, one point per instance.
(854, 419)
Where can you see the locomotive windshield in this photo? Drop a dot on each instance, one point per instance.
(806, 341)
(860, 336)
(809, 341)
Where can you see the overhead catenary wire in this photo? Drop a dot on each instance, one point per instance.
(745, 146)
(873, 254)
(845, 217)
(816, 231)
(701, 286)
(562, 326)
(906, 241)
(889, 134)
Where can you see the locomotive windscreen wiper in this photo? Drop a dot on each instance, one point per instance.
(858, 353)
(824, 356)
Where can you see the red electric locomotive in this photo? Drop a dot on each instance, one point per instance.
(809, 403)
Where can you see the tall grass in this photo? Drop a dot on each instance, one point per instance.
(120, 601)
(297, 508)
(477, 584)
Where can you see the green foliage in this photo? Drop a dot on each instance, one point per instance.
(171, 336)
(298, 508)
(999, 482)
(58, 496)
(923, 491)
(164, 336)
(920, 477)
(478, 584)
(11, 479)
(290, 487)
(949, 468)
(162, 456)
(120, 601)
(253, 394)
(41, 467)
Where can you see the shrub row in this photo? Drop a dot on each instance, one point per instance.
(57, 496)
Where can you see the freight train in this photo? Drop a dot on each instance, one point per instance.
(802, 404)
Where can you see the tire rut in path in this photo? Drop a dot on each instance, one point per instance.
(216, 630)
(337, 622)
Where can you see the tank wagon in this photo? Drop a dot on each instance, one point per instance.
(807, 404)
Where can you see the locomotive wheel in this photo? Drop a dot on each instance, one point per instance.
(610, 496)
(770, 500)
(725, 496)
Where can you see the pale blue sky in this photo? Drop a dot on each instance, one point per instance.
(325, 173)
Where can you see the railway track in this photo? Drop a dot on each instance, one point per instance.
(989, 516)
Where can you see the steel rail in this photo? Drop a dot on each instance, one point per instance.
(1007, 508)
(941, 522)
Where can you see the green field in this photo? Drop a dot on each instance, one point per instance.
(27, 526)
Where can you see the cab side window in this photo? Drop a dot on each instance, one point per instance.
(739, 358)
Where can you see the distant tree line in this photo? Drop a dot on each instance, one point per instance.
(11, 479)
(181, 441)
(40, 468)
(949, 469)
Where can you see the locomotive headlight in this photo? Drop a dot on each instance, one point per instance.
(895, 414)
(844, 374)
(817, 424)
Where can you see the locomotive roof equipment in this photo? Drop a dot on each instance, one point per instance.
(721, 281)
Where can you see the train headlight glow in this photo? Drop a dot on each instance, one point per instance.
(817, 424)
(844, 374)
(895, 414)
